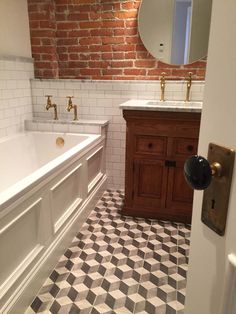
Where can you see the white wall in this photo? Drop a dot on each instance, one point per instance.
(16, 66)
(14, 28)
(208, 254)
(15, 94)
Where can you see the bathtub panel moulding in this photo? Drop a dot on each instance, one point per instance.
(19, 299)
(20, 244)
(70, 186)
(95, 167)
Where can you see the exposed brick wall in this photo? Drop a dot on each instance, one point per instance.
(95, 39)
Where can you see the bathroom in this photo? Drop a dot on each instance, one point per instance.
(88, 56)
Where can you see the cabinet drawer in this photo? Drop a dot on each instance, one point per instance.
(184, 146)
(153, 145)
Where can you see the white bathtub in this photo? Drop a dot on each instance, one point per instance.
(26, 158)
(44, 187)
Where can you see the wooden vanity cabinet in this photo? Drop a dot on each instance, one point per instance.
(157, 145)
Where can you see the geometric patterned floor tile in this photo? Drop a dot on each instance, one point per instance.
(119, 264)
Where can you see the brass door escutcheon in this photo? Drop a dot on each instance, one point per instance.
(216, 196)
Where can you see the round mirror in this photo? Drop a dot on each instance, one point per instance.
(175, 31)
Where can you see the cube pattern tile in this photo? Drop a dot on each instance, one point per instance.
(119, 264)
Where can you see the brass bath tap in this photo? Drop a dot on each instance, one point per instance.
(51, 105)
(71, 106)
(189, 84)
(163, 84)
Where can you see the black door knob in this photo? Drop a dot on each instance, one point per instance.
(198, 172)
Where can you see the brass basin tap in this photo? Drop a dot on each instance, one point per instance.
(71, 106)
(51, 105)
(189, 84)
(163, 85)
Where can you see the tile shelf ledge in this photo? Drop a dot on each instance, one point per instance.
(168, 105)
(67, 126)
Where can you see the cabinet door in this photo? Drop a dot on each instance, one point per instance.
(179, 196)
(150, 183)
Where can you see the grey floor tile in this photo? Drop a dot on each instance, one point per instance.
(119, 264)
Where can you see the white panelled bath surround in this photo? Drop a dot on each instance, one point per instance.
(48, 183)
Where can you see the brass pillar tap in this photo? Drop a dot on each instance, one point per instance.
(163, 84)
(189, 84)
(51, 105)
(71, 106)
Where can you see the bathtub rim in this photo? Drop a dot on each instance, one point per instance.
(20, 188)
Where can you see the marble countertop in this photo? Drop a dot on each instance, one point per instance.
(78, 122)
(168, 105)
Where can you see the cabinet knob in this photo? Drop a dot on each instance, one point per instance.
(150, 145)
(190, 148)
(198, 172)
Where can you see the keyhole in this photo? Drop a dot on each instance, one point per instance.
(213, 204)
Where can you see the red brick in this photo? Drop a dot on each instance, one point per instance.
(122, 64)
(67, 25)
(130, 55)
(133, 40)
(107, 56)
(78, 17)
(128, 5)
(113, 40)
(145, 63)
(47, 24)
(123, 48)
(126, 14)
(103, 48)
(157, 72)
(111, 71)
(63, 57)
(134, 72)
(90, 25)
(182, 73)
(79, 33)
(112, 24)
(42, 33)
(78, 49)
(90, 41)
(67, 42)
(126, 31)
(95, 56)
(99, 64)
(90, 72)
(35, 41)
(62, 34)
(34, 24)
(101, 32)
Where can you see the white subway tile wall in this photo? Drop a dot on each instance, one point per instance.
(15, 94)
(101, 100)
